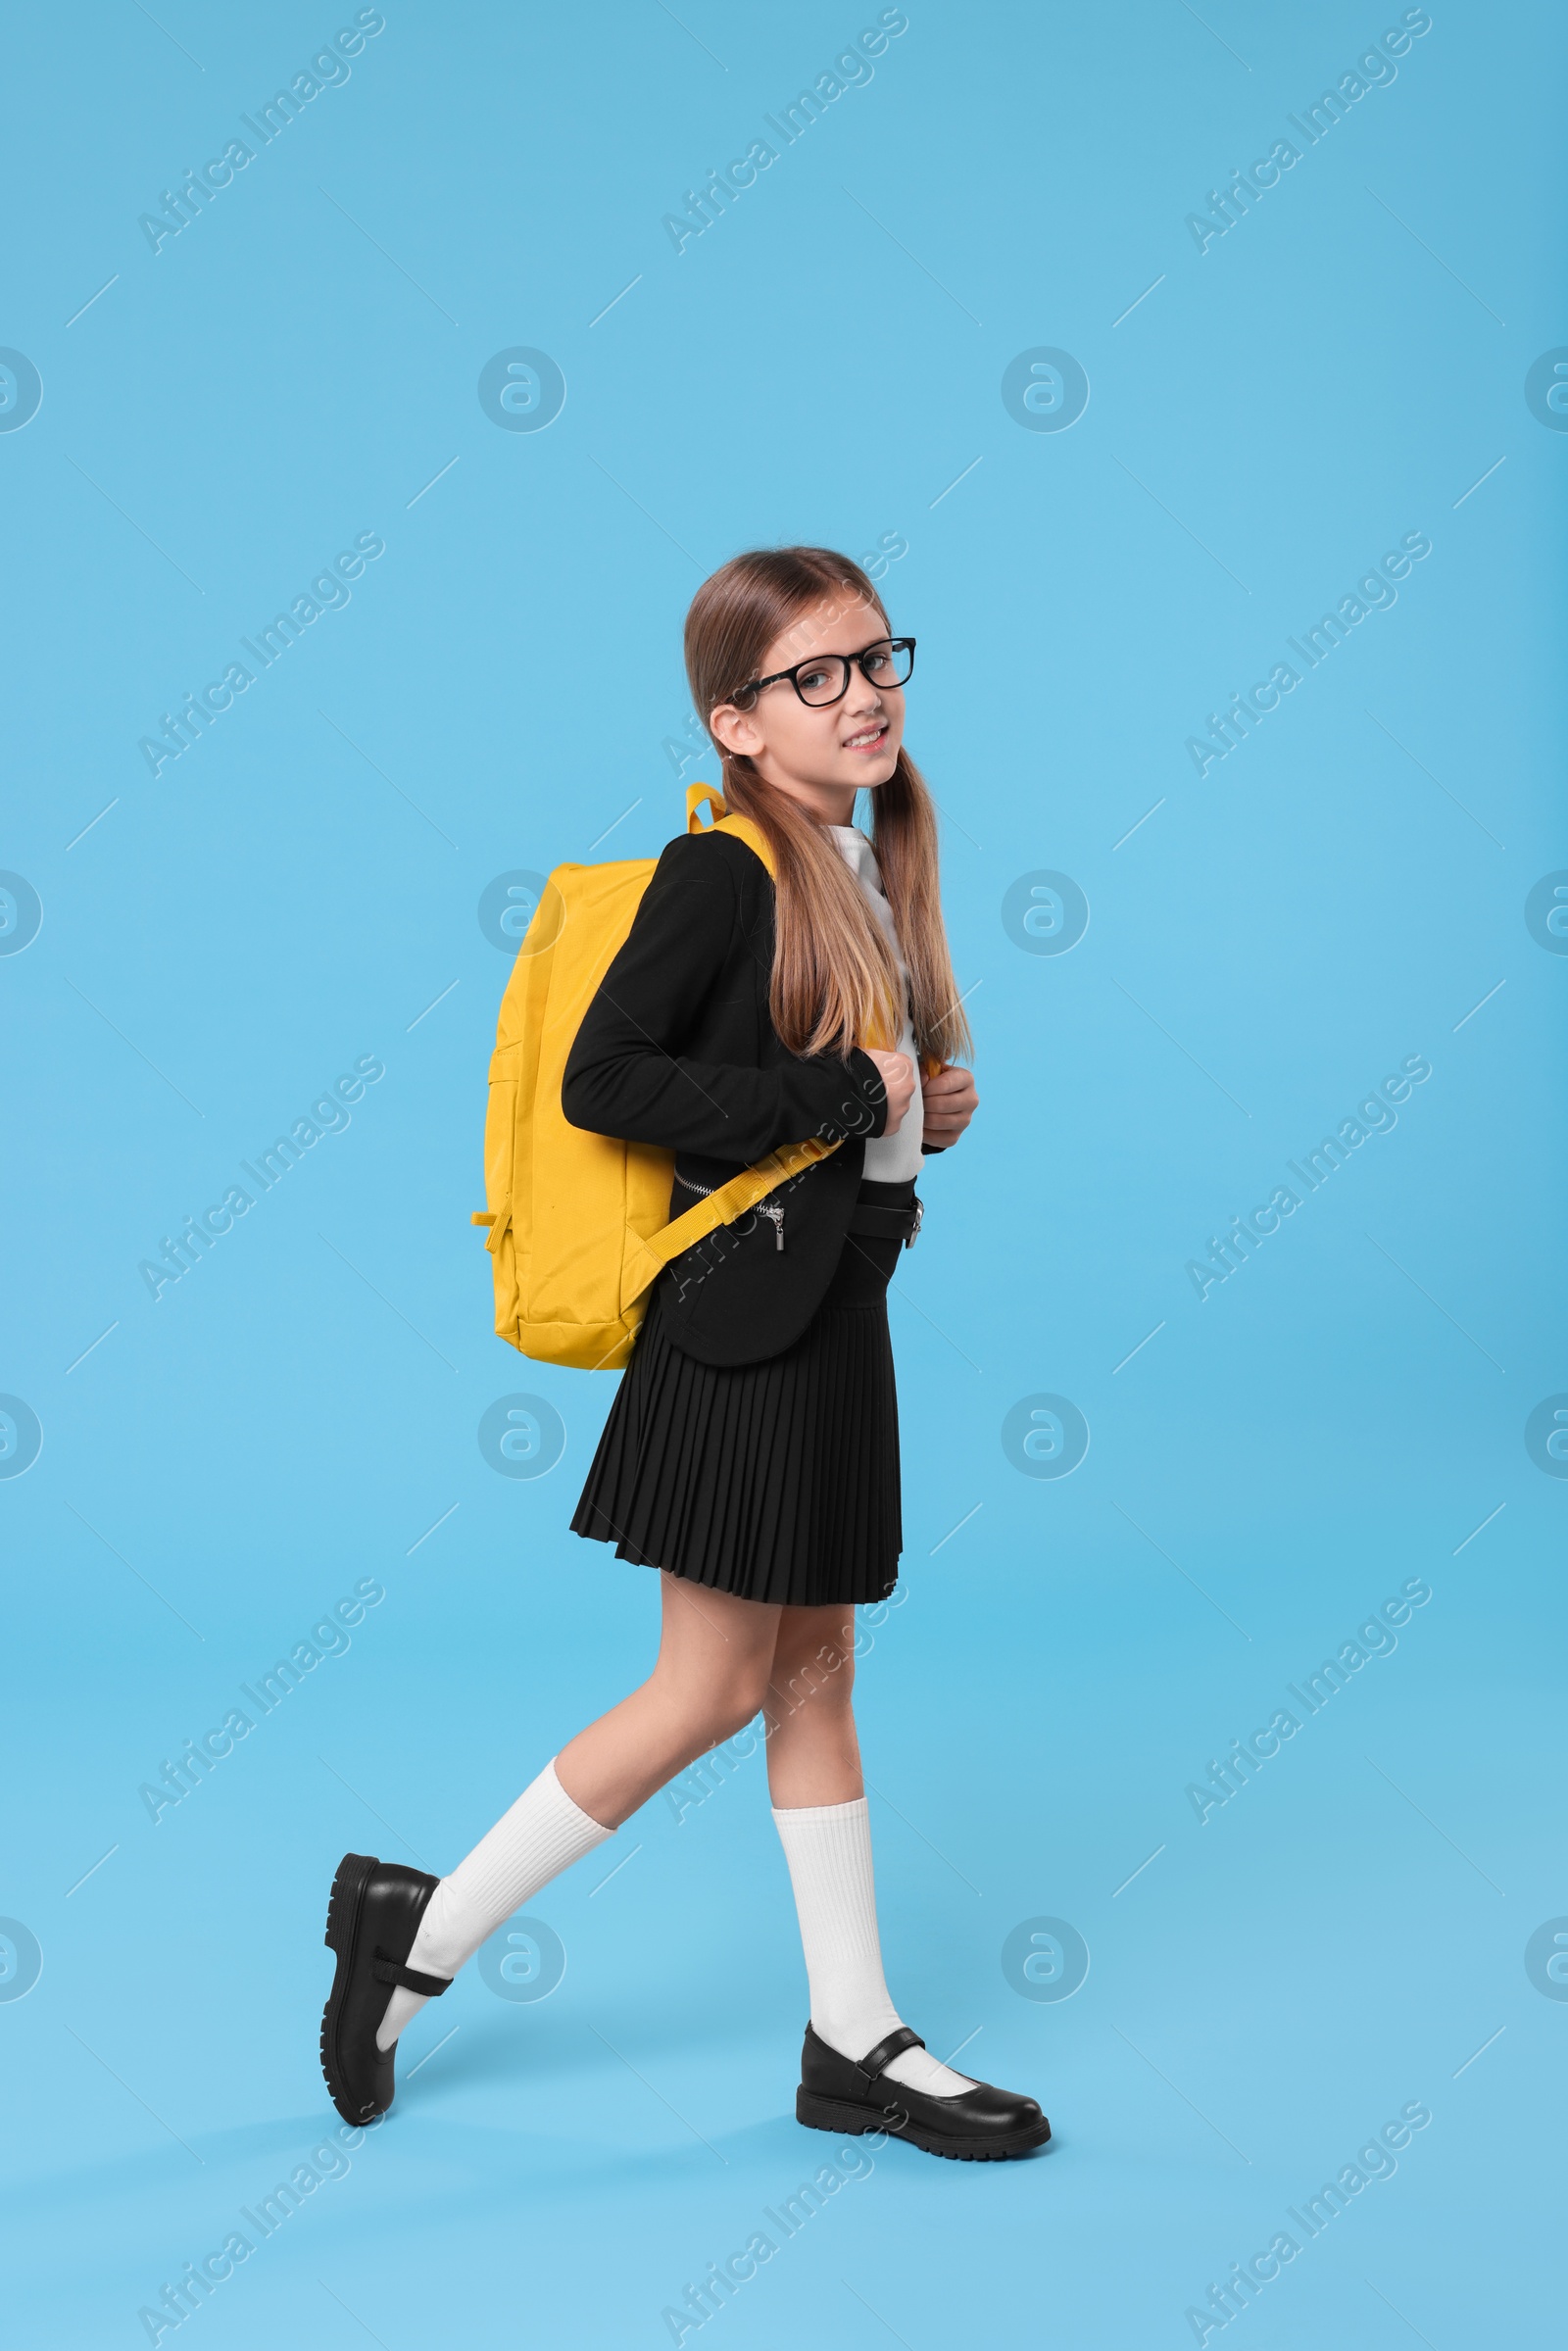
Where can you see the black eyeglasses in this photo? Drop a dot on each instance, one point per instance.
(890, 661)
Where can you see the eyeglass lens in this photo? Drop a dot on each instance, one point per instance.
(827, 679)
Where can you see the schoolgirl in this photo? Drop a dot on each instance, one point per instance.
(752, 1451)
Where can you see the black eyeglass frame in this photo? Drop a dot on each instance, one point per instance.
(851, 661)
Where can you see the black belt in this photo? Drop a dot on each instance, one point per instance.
(885, 1222)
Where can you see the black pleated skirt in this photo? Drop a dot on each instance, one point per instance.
(775, 1481)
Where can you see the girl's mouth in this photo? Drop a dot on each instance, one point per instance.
(871, 739)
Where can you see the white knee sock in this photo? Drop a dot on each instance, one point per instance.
(828, 1848)
(541, 1833)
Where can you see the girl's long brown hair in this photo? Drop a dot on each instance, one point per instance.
(834, 982)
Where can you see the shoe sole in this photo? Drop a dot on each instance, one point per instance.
(845, 2117)
(342, 1936)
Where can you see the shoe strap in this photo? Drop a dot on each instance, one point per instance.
(391, 1970)
(875, 2061)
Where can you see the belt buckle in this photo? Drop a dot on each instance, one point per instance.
(919, 1219)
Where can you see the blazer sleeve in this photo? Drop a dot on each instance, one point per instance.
(628, 1073)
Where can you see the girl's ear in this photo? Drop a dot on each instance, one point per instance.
(735, 730)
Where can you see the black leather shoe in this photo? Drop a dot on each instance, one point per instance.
(980, 2125)
(372, 1918)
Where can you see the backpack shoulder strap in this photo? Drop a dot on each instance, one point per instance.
(655, 1250)
(649, 1254)
(725, 823)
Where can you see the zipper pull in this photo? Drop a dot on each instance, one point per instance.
(772, 1211)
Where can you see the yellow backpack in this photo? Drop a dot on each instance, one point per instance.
(578, 1222)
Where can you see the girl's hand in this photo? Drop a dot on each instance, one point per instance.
(898, 1075)
(950, 1101)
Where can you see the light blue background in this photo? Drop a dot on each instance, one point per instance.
(300, 889)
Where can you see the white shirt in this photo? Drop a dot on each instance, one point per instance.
(889, 1159)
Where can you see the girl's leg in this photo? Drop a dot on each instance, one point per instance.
(813, 1771)
(814, 1756)
(715, 1655)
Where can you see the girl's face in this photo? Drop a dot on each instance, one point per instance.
(821, 755)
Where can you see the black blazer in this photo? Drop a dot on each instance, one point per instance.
(678, 1049)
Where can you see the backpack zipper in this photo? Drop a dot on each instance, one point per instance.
(771, 1209)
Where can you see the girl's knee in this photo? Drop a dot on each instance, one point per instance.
(816, 1641)
(744, 1698)
(821, 1675)
(718, 1712)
